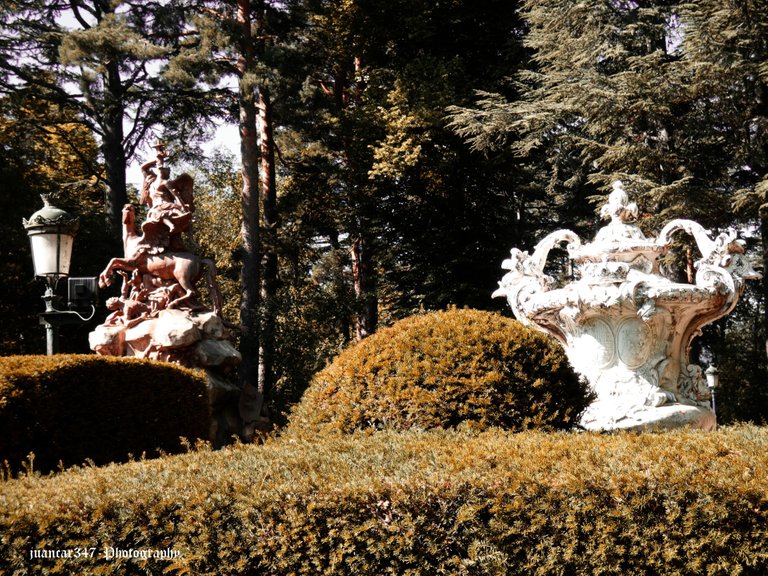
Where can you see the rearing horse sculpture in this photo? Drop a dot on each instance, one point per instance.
(184, 268)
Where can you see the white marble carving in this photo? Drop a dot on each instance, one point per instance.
(625, 327)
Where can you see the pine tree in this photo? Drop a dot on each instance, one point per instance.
(104, 60)
(727, 63)
(245, 41)
(608, 98)
(423, 216)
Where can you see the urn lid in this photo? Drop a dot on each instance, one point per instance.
(619, 240)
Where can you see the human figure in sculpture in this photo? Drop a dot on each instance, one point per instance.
(183, 268)
(129, 312)
(170, 204)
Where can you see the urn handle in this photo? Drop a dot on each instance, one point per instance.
(724, 254)
(526, 273)
(540, 254)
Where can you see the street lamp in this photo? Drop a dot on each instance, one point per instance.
(51, 233)
(713, 380)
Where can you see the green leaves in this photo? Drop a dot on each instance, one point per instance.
(112, 39)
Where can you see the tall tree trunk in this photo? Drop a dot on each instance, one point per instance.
(251, 399)
(764, 236)
(112, 147)
(363, 277)
(341, 287)
(361, 253)
(269, 280)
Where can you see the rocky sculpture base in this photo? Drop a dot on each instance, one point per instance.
(192, 339)
(188, 338)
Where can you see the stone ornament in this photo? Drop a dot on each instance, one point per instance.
(625, 327)
(159, 313)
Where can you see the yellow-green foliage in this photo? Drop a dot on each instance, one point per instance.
(70, 408)
(445, 369)
(415, 503)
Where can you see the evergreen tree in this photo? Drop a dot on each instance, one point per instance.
(31, 166)
(425, 222)
(727, 64)
(103, 59)
(245, 41)
(608, 98)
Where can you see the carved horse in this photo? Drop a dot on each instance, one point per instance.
(183, 267)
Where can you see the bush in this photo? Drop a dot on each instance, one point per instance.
(441, 502)
(69, 408)
(445, 369)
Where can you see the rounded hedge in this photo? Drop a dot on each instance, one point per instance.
(68, 408)
(445, 369)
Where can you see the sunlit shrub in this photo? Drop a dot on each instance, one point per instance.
(445, 369)
(414, 503)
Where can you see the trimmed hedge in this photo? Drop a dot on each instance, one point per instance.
(71, 408)
(456, 368)
(443, 502)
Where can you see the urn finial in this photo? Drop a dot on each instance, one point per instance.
(619, 208)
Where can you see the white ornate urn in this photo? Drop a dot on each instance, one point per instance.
(625, 327)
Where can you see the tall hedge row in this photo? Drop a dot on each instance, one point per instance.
(675, 503)
(71, 408)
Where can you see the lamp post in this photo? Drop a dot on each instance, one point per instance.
(51, 234)
(713, 380)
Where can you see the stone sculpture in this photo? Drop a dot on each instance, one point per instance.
(159, 313)
(625, 327)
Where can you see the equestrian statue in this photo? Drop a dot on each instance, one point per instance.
(159, 313)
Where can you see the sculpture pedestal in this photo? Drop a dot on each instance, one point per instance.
(601, 417)
(191, 339)
(195, 340)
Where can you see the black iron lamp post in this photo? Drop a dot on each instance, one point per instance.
(51, 233)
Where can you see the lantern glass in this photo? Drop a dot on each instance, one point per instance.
(51, 234)
(51, 252)
(713, 377)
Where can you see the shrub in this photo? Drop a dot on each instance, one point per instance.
(69, 408)
(445, 369)
(415, 503)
